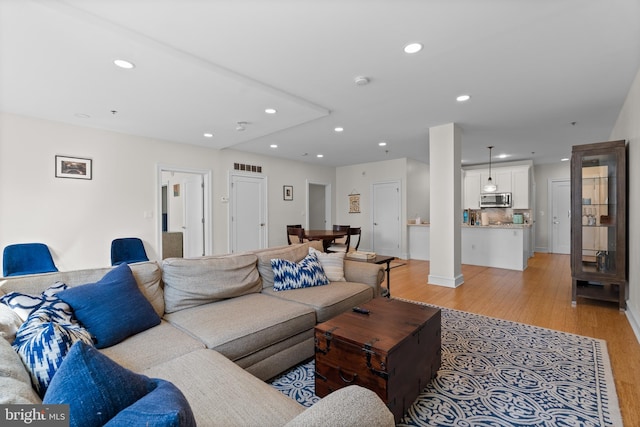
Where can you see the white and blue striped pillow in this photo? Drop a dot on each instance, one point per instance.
(290, 275)
(44, 339)
(23, 304)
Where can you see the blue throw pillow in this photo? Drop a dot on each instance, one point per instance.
(165, 406)
(44, 339)
(113, 308)
(290, 275)
(99, 391)
(95, 387)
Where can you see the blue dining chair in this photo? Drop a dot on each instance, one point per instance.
(27, 258)
(127, 249)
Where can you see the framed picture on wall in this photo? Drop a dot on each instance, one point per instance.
(287, 192)
(73, 167)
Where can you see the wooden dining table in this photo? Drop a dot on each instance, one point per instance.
(327, 236)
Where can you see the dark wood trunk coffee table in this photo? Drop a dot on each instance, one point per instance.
(394, 351)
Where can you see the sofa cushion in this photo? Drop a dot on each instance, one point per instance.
(221, 393)
(196, 281)
(92, 385)
(151, 347)
(295, 275)
(294, 253)
(240, 326)
(44, 340)
(332, 264)
(327, 301)
(15, 383)
(113, 308)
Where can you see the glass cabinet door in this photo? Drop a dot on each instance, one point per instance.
(598, 202)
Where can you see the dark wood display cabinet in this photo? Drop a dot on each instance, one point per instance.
(599, 222)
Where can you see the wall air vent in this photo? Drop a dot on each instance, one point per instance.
(248, 168)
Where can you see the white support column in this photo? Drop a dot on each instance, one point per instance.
(445, 206)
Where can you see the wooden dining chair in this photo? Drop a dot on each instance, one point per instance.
(295, 232)
(289, 234)
(340, 244)
(355, 231)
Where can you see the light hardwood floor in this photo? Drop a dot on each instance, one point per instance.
(541, 296)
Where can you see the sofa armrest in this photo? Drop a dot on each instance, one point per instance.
(364, 272)
(349, 406)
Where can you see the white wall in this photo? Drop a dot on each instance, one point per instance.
(79, 218)
(543, 173)
(359, 179)
(417, 190)
(628, 127)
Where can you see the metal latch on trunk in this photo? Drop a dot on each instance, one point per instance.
(367, 348)
(328, 336)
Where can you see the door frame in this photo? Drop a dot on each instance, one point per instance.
(550, 183)
(328, 196)
(230, 201)
(208, 219)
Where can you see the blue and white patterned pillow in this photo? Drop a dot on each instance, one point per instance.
(23, 304)
(290, 275)
(44, 339)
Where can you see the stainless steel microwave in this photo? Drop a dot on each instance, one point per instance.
(495, 200)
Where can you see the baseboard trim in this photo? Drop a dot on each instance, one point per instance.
(449, 282)
(634, 321)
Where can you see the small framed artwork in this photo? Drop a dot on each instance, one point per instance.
(354, 203)
(73, 167)
(287, 192)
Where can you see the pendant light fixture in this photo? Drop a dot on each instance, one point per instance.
(489, 187)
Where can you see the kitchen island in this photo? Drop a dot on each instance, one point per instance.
(498, 245)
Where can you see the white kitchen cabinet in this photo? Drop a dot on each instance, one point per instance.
(472, 186)
(419, 241)
(501, 177)
(509, 179)
(495, 247)
(521, 185)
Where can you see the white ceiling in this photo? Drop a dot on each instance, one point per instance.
(531, 67)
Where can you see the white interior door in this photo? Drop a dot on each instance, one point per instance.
(386, 218)
(193, 216)
(248, 206)
(561, 217)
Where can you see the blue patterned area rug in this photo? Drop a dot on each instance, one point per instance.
(500, 373)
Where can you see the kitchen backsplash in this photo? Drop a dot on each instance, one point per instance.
(502, 215)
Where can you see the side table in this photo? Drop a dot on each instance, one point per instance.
(380, 259)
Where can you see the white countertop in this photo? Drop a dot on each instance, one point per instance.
(503, 225)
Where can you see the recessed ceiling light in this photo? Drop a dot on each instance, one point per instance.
(208, 135)
(382, 144)
(463, 98)
(123, 63)
(270, 110)
(319, 156)
(412, 48)
(338, 129)
(565, 159)
(274, 146)
(82, 116)
(503, 156)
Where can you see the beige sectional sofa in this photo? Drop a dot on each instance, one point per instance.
(223, 332)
